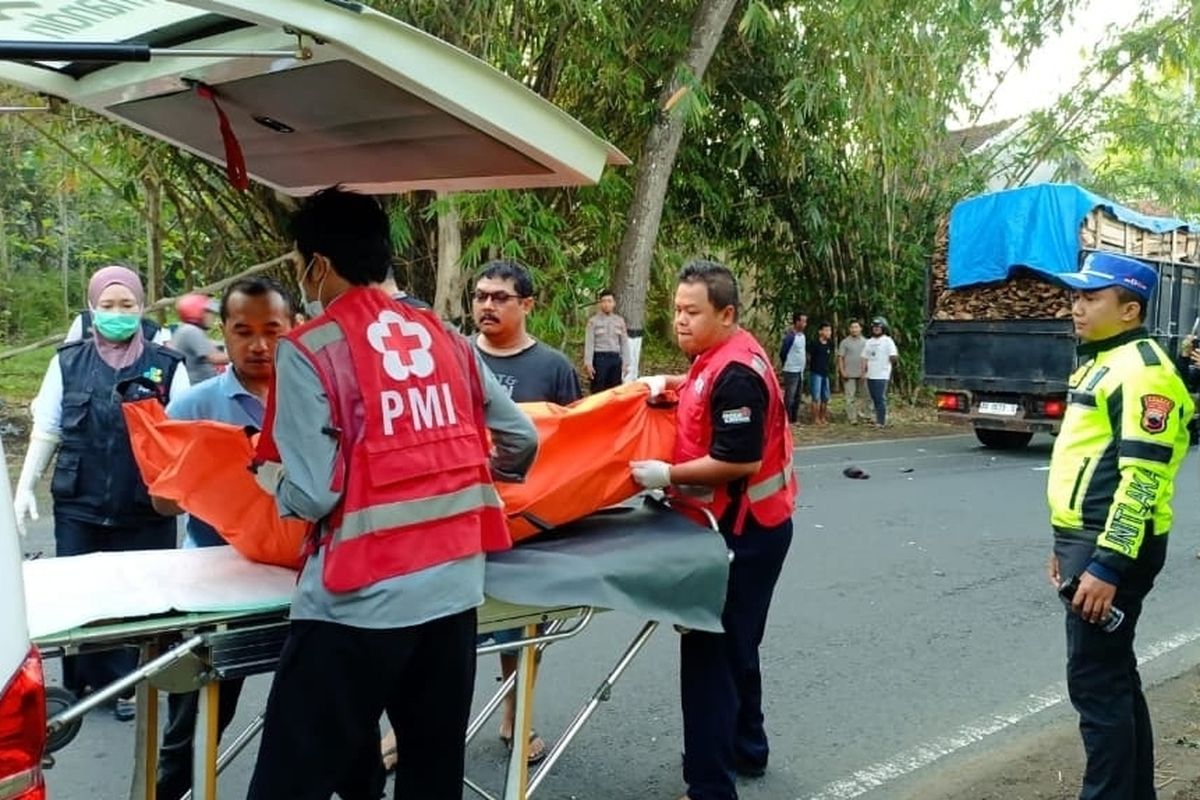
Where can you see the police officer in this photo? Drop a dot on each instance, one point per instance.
(604, 345)
(733, 458)
(377, 416)
(100, 500)
(1112, 475)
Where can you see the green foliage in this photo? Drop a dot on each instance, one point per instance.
(814, 160)
(20, 376)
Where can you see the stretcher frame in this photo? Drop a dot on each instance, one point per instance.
(181, 652)
(185, 652)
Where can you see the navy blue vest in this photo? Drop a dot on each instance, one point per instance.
(96, 478)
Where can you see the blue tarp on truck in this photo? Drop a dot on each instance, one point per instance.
(1036, 227)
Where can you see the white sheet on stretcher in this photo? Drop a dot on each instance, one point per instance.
(65, 593)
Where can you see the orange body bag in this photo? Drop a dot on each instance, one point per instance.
(582, 466)
(205, 468)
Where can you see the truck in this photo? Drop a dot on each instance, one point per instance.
(998, 344)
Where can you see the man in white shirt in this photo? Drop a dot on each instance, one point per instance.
(879, 356)
(793, 357)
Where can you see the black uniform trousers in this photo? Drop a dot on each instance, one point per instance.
(608, 371)
(72, 537)
(321, 732)
(720, 681)
(1104, 684)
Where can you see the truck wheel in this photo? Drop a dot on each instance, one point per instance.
(1003, 440)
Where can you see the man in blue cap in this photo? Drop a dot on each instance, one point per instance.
(1112, 475)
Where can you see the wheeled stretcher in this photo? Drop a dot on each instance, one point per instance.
(202, 616)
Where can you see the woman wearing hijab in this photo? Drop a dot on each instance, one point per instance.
(100, 500)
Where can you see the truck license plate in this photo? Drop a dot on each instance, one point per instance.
(1001, 409)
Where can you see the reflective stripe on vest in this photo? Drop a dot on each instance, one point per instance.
(415, 512)
(769, 486)
(321, 336)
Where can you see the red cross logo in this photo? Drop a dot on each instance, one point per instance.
(404, 345)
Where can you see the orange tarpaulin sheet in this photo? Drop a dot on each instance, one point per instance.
(204, 467)
(583, 456)
(582, 465)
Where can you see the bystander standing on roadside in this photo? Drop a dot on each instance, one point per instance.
(820, 359)
(850, 369)
(793, 357)
(880, 356)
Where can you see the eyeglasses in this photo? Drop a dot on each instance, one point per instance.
(497, 298)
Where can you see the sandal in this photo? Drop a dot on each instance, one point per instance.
(387, 752)
(534, 757)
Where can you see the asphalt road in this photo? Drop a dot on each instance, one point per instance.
(911, 628)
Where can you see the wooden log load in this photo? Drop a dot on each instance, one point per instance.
(1028, 297)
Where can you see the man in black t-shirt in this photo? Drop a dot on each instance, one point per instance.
(820, 359)
(530, 370)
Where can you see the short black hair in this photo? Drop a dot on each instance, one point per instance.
(825, 325)
(717, 279)
(506, 269)
(350, 229)
(1129, 296)
(255, 286)
(605, 293)
(799, 315)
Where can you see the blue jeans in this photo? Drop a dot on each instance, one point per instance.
(878, 390)
(818, 386)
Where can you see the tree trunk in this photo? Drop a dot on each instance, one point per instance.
(154, 249)
(655, 163)
(64, 249)
(5, 253)
(446, 301)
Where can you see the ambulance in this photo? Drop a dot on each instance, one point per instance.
(293, 95)
(23, 696)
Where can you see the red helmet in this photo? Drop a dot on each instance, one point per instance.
(192, 307)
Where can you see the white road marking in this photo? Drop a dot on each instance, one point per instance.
(921, 756)
(1042, 469)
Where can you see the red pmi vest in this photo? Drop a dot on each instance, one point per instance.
(770, 494)
(412, 463)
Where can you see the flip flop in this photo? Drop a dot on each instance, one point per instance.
(534, 758)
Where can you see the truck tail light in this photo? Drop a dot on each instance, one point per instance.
(1054, 408)
(23, 732)
(949, 401)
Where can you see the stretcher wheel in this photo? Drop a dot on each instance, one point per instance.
(59, 700)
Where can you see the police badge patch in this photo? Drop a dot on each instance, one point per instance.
(1155, 410)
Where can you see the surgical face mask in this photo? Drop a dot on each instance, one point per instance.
(115, 325)
(312, 308)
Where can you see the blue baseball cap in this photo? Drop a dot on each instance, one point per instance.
(1102, 270)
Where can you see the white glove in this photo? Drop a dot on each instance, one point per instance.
(651, 474)
(41, 449)
(25, 503)
(657, 384)
(268, 474)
